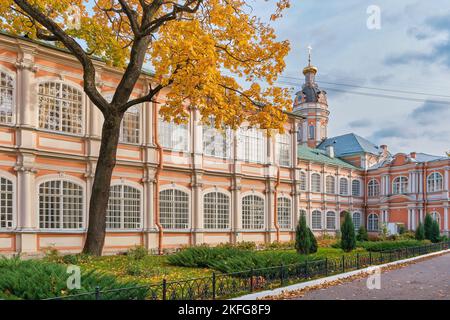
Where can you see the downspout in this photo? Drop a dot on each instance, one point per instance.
(366, 205)
(159, 168)
(425, 191)
(275, 205)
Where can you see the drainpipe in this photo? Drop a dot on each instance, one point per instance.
(366, 205)
(159, 168)
(425, 191)
(275, 205)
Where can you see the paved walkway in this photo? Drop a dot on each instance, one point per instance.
(428, 279)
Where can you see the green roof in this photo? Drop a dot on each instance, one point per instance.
(317, 155)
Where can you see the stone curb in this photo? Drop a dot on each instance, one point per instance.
(321, 281)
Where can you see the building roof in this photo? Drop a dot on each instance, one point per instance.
(318, 155)
(350, 144)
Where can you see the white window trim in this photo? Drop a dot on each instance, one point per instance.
(11, 74)
(13, 179)
(230, 211)
(321, 219)
(43, 80)
(434, 182)
(360, 191)
(377, 194)
(347, 188)
(334, 184)
(140, 188)
(311, 182)
(326, 219)
(291, 216)
(68, 178)
(360, 219)
(258, 194)
(368, 222)
(189, 193)
(393, 183)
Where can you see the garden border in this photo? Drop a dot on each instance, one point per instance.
(341, 276)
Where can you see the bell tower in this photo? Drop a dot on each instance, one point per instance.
(311, 103)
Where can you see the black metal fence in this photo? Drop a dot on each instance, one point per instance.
(223, 286)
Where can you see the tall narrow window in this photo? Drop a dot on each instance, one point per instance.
(400, 185)
(316, 220)
(373, 222)
(331, 220)
(252, 212)
(216, 208)
(373, 188)
(302, 181)
(356, 188)
(124, 208)
(173, 136)
(315, 183)
(284, 149)
(343, 187)
(357, 220)
(174, 209)
(130, 126)
(436, 217)
(60, 107)
(60, 205)
(434, 182)
(330, 185)
(217, 143)
(252, 145)
(312, 132)
(6, 98)
(284, 210)
(6, 203)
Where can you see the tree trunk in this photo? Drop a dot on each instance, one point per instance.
(100, 188)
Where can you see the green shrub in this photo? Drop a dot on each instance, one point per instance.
(279, 245)
(41, 279)
(435, 232)
(362, 234)
(428, 225)
(390, 245)
(420, 232)
(314, 245)
(137, 253)
(303, 241)
(348, 239)
(244, 245)
(401, 229)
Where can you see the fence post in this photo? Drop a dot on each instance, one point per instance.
(282, 274)
(251, 280)
(97, 293)
(370, 257)
(164, 288)
(343, 263)
(214, 286)
(326, 267)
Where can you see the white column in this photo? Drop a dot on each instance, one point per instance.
(26, 100)
(446, 219)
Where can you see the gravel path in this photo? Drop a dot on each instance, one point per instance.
(428, 279)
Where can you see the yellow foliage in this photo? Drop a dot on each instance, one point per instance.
(220, 59)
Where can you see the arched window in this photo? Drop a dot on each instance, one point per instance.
(400, 185)
(252, 212)
(434, 182)
(252, 145)
(302, 181)
(173, 136)
(316, 220)
(343, 187)
(312, 132)
(284, 209)
(373, 188)
(331, 220)
(330, 181)
(6, 98)
(130, 126)
(216, 143)
(436, 217)
(60, 107)
(124, 208)
(284, 149)
(356, 217)
(216, 208)
(60, 205)
(315, 182)
(372, 222)
(6, 203)
(174, 209)
(356, 188)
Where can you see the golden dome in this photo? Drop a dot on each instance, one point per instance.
(310, 69)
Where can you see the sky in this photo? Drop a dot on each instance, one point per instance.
(410, 52)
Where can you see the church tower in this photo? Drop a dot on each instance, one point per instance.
(311, 103)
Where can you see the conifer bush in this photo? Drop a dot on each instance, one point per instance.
(348, 238)
(304, 239)
(420, 232)
(362, 234)
(428, 225)
(435, 232)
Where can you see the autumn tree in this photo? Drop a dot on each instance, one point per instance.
(214, 55)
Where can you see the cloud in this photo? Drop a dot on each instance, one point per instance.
(430, 114)
(392, 132)
(361, 123)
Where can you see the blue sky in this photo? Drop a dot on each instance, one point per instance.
(411, 52)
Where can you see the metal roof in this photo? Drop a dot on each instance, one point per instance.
(350, 144)
(318, 155)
